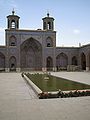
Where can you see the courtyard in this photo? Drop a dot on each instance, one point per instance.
(18, 100)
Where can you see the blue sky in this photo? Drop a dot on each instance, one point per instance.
(72, 18)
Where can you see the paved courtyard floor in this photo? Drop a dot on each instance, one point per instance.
(83, 77)
(19, 102)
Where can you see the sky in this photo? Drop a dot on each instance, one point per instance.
(72, 18)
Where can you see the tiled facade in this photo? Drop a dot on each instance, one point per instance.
(36, 49)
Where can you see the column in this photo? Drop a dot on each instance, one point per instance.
(54, 60)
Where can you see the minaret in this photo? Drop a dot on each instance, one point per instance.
(48, 23)
(13, 21)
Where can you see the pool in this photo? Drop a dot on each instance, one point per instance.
(50, 83)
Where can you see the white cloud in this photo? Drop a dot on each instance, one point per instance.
(76, 31)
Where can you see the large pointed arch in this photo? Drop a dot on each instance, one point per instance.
(83, 61)
(74, 60)
(61, 61)
(89, 60)
(31, 55)
(2, 62)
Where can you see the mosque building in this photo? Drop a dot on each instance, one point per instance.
(36, 50)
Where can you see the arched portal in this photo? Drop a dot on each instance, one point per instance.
(12, 63)
(49, 63)
(61, 61)
(2, 62)
(31, 55)
(83, 61)
(89, 61)
(74, 60)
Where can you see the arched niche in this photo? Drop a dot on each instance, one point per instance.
(12, 63)
(12, 41)
(89, 60)
(74, 60)
(31, 55)
(61, 61)
(83, 61)
(49, 63)
(49, 42)
(2, 62)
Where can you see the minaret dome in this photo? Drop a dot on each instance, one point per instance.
(13, 21)
(48, 22)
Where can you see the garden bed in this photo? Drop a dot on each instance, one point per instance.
(64, 94)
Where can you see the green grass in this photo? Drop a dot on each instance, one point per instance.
(51, 83)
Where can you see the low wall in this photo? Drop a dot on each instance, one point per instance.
(33, 86)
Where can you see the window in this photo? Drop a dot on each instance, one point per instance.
(49, 42)
(12, 41)
(12, 44)
(13, 24)
(48, 45)
(49, 25)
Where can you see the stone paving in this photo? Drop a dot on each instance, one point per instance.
(83, 77)
(19, 102)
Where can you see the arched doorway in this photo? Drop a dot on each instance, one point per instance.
(12, 63)
(31, 55)
(83, 61)
(89, 61)
(74, 60)
(61, 61)
(2, 62)
(49, 63)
